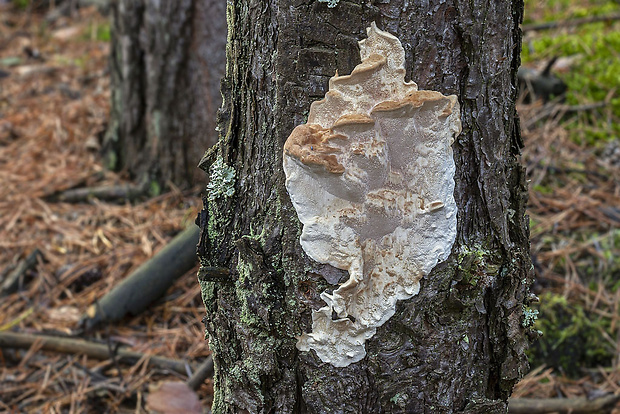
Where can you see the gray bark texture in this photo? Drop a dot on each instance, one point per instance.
(167, 60)
(459, 345)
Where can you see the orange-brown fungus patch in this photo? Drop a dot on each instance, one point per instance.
(309, 143)
(365, 69)
(415, 100)
(353, 119)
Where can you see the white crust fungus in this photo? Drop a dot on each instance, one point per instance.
(371, 176)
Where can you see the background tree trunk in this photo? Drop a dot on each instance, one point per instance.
(167, 60)
(459, 345)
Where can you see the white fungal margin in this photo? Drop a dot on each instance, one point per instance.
(371, 177)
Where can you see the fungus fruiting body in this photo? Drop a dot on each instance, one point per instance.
(371, 177)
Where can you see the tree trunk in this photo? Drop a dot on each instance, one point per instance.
(459, 344)
(167, 59)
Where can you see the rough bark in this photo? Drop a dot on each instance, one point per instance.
(167, 59)
(459, 345)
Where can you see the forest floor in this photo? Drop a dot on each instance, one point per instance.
(54, 104)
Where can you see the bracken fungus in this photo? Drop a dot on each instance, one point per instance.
(371, 177)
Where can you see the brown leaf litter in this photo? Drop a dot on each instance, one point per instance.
(53, 112)
(574, 210)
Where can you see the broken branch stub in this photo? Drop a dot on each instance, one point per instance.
(371, 177)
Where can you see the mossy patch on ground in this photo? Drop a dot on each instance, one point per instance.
(573, 338)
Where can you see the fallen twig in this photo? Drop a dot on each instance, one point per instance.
(201, 374)
(149, 282)
(552, 109)
(90, 349)
(107, 193)
(16, 321)
(557, 170)
(568, 23)
(11, 283)
(580, 405)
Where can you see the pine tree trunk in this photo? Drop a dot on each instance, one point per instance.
(457, 346)
(167, 59)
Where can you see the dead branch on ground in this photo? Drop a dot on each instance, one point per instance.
(579, 405)
(148, 283)
(568, 23)
(90, 349)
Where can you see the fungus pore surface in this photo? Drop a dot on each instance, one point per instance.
(371, 177)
